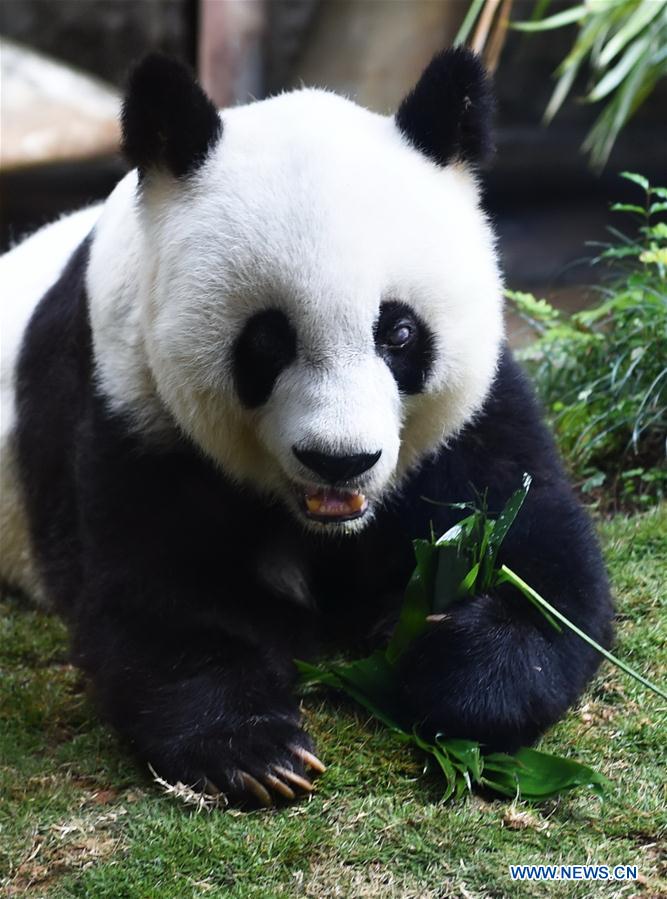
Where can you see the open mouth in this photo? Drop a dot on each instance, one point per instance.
(332, 506)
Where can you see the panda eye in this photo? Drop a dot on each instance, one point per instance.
(405, 343)
(400, 335)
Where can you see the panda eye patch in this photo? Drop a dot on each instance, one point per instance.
(263, 349)
(405, 343)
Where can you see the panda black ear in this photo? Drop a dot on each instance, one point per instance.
(167, 121)
(447, 115)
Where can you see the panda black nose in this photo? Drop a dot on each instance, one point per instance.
(334, 469)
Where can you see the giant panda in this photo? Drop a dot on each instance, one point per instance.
(236, 391)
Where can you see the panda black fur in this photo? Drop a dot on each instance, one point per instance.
(213, 355)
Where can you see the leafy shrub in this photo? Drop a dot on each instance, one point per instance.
(623, 44)
(602, 372)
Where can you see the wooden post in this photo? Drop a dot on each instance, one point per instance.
(374, 50)
(230, 63)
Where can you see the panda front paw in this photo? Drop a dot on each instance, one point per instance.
(485, 674)
(268, 759)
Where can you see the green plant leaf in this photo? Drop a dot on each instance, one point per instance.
(566, 17)
(467, 585)
(589, 35)
(504, 522)
(560, 92)
(536, 776)
(509, 576)
(467, 752)
(615, 76)
(623, 44)
(374, 682)
(636, 179)
(417, 602)
(627, 207)
(643, 15)
(468, 22)
(539, 311)
(541, 775)
(455, 560)
(444, 762)
(607, 127)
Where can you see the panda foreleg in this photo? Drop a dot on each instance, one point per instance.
(494, 669)
(211, 712)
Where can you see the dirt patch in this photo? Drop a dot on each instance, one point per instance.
(335, 881)
(73, 845)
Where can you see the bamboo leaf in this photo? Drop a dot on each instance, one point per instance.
(467, 752)
(535, 597)
(634, 23)
(374, 681)
(454, 564)
(541, 775)
(614, 76)
(566, 17)
(603, 135)
(539, 10)
(561, 91)
(507, 517)
(417, 603)
(468, 22)
(624, 45)
(536, 776)
(467, 585)
(442, 759)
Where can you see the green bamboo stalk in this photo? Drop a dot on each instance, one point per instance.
(468, 22)
(521, 585)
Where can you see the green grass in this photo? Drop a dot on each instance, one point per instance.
(78, 819)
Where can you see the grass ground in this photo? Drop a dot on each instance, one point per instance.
(78, 819)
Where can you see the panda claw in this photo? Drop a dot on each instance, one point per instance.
(295, 778)
(255, 787)
(211, 789)
(309, 759)
(276, 784)
(436, 619)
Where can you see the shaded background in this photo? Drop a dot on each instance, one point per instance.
(544, 199)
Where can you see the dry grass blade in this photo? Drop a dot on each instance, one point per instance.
(201, 801)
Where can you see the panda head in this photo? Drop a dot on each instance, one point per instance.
(320, 301)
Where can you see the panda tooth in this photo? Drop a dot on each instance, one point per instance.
(356, 501)
(313, 503)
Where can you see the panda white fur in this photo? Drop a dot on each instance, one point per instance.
(237, 390)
